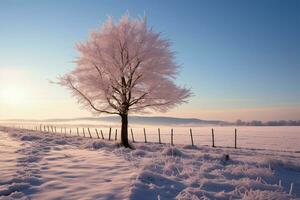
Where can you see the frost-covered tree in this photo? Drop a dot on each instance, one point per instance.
(125, 68)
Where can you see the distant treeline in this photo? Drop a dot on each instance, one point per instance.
(268, 123)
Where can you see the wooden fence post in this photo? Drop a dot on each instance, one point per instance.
(70, 132)
(213, 137)
(132, 135)
(159, 139)
(145, 135)
(172, 137)
(102, 134)
(109, 134)
(77, 131)
(52, 129)
(97, 133)
(41, 127)
(116, 134)
(291, 188)
(192, 139)
(55, 129)
(83, 132)
(48, 129)
(89, 132)
(65, 131)
(235, 137)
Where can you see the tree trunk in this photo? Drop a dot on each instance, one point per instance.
(124, 131)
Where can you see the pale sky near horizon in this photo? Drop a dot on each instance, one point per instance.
(240, 58)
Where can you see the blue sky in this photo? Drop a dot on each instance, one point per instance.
(241, 58)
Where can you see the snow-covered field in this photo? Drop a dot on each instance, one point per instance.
(36, 165)
(276, 138)
(283, 138)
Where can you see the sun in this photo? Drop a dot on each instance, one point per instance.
(13, 95)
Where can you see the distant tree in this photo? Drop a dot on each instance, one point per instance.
(256, 123)
(240, 122)
(272, 123)
(125, 68)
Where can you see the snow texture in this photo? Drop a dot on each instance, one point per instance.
(37, 165)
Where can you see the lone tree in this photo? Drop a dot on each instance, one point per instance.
(125, 68)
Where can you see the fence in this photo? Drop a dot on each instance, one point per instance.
(134, 134)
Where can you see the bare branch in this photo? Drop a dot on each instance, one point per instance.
(150, 105)
(87, 99)
(135, 101)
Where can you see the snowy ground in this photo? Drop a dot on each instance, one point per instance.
(283, 138)
(47, 166)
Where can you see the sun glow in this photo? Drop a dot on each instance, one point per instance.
(15, 87)
(13, 95)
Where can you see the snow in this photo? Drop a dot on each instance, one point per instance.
(283, 138)
(37, 165)
(53, 167)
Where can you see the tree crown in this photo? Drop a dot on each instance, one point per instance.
(125, 67)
